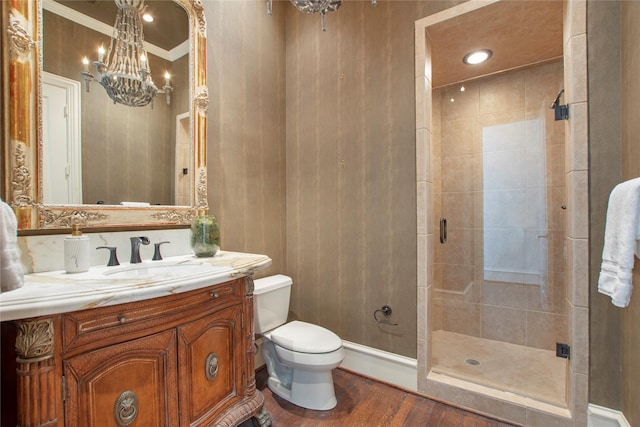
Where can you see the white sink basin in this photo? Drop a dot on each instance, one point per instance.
(159, 269)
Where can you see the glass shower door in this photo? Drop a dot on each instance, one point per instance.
(499, 298)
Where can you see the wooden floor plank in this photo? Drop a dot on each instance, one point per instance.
(363, 402)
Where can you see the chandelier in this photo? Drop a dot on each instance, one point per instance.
(315, 6)
(125, 73)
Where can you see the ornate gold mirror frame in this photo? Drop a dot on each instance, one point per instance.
(22, 130)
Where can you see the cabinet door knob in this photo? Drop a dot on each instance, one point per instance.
(125, 410)
(214, 294)
(211, 366)
(122, 318)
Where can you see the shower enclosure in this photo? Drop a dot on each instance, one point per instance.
(498, 301)
(502, 227)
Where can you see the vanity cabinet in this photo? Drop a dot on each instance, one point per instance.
(180, 360)
(210, 370)
(123, 383)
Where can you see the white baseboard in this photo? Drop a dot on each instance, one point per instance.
(377, 364)
(599, 416)
(381, 365)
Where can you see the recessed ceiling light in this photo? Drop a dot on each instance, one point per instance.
(147, 17)
(477, 56)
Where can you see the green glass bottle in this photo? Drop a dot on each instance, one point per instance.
(205, 235)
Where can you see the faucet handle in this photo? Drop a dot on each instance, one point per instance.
(157, 256)
(113, 257)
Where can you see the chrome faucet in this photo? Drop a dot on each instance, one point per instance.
(135, 248)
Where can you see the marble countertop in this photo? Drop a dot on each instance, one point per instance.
(56, 292)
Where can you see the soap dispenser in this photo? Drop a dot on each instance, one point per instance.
(76, 251)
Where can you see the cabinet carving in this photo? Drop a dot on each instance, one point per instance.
(210, 370)
(180, 360)
(122, 383)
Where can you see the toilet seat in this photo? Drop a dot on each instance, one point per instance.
(305, 337)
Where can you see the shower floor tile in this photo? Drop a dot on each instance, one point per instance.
(527, 371)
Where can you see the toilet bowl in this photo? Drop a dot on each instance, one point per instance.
(299, 355)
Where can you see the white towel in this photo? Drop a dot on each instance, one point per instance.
(11, 274)
(621, 232)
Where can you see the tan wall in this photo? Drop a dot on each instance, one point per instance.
(246, 119)
(604, 173)
(127, 152)
(348, 151)
(614, 95)
(630, 337)
(351, 179)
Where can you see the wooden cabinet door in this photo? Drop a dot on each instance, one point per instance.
(132, 383)
(210, 366)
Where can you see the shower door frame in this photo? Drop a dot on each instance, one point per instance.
(508, 406)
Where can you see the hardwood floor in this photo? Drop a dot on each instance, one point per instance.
(364, 402)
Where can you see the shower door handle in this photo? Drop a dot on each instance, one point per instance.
(443, 230)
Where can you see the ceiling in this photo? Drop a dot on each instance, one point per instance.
(519, 33)
(169, 29)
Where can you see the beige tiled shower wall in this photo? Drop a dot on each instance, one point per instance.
(531, 311)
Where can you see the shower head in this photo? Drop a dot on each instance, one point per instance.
(557, 101)
(561, 112)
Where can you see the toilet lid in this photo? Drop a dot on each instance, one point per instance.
(305, 338)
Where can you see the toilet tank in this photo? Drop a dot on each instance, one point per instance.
(271, 302)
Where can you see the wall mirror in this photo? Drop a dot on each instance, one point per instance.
(72, 153)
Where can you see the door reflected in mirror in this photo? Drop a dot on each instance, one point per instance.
(106, 152)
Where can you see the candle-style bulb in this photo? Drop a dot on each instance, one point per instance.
(143, 61)
(167, 78)
(85, 63)
(101, 53)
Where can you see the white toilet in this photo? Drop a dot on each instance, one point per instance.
(299, 356)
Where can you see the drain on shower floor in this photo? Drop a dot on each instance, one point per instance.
(473, 362)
